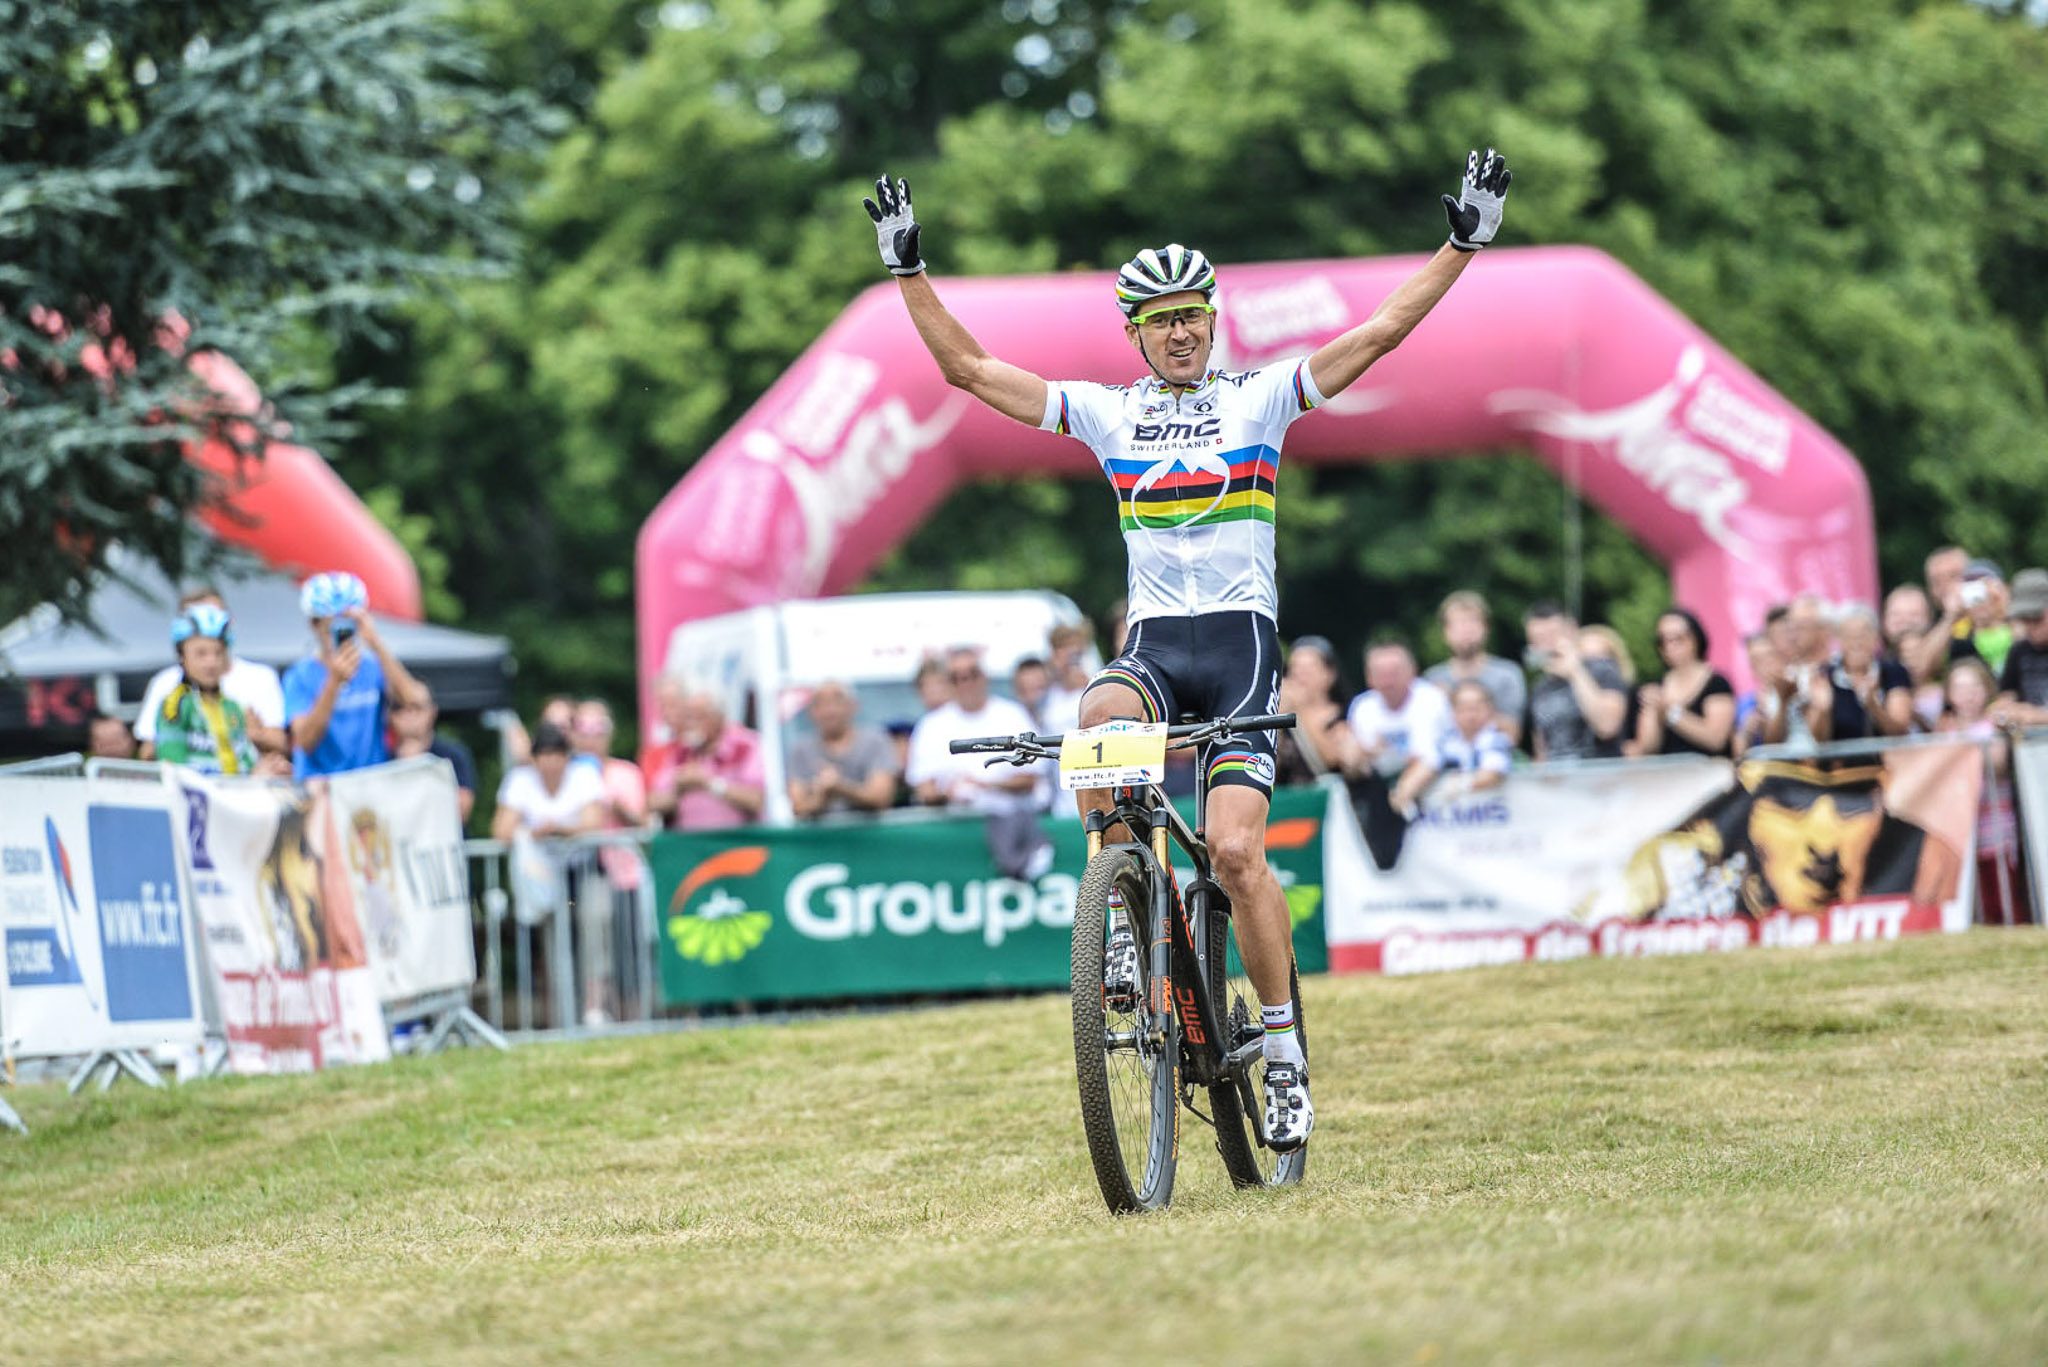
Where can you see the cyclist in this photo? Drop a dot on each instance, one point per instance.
(196, 724)
(1192, 453)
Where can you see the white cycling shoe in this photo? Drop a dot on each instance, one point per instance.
(1290, 1116)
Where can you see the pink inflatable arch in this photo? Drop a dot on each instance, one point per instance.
(1559, 350)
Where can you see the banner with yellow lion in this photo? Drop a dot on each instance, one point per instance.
(1634, 858)
(284, 944)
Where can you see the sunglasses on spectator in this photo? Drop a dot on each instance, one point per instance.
(969, 677)
(1184, 315)
(1665, 638)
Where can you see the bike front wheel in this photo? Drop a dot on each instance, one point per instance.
(1129, 1080)
(1232, 1099)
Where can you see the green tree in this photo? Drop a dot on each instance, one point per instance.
(268, 177)
(1845, 193)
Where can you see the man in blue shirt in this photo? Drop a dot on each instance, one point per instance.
(335, 701)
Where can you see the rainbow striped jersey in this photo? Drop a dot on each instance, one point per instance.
(1193, 476)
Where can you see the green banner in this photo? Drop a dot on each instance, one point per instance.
(892, 908)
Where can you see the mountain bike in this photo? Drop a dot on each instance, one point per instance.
(1190, 1022)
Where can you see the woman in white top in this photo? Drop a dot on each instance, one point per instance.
(549, 795)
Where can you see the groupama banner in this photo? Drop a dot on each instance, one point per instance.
(901, 908)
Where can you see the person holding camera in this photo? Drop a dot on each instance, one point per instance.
(336, 701)
(1982, 628)
(1578, 707)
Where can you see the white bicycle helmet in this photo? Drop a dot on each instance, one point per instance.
(332, 593)
(1159, 271)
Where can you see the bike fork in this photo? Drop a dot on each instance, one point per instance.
(1162, 1003)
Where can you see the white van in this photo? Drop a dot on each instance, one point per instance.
(763, 662)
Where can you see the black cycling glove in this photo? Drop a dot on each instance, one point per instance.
(896, 230)
(1475, 213)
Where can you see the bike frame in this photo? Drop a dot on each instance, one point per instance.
(1177, 946)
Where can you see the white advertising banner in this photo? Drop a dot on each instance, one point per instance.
(98, 945)
(405, 864)
(1664, 857)
(2030, 791)
(284, 945)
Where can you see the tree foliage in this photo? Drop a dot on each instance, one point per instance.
(1849, 194)
(186, 175)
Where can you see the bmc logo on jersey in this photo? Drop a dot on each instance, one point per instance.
(1177, 431)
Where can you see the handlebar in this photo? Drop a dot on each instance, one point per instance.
(1187, 733)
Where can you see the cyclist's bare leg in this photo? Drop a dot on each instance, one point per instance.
(1106, 702)
(1236, 820)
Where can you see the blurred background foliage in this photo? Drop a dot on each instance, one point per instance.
(1852, 195)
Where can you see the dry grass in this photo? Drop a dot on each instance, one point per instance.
(1800, 1156)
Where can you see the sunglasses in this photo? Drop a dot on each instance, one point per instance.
(968, 677)
(1183, 315)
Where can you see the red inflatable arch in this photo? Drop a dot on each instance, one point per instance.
(293, 511)
(288, 508)
(1558, 350)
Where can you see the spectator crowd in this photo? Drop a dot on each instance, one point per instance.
(1963, 652)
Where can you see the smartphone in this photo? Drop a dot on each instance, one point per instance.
(1974, 592)
(1536, 659)
(344, 632)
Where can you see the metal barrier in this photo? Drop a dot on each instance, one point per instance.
(59, 766)
(569, 930)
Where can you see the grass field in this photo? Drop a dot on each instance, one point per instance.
(1796, 1156)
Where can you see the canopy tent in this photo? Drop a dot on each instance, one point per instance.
(52, 672)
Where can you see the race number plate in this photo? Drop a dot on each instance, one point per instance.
(1113, 755)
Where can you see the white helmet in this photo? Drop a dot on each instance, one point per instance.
(331, 594)
(1160, 271)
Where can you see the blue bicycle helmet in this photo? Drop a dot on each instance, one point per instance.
(332, 593)
(202, 619)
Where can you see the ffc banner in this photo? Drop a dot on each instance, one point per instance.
(1652, 857)
(891, 909)
(284, 944)
(403, 833)
(93, 911)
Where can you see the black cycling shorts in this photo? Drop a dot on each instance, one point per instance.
(1220, 664)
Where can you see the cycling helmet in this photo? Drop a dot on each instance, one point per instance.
(1159, 271)
(202, 619)
(332, 593)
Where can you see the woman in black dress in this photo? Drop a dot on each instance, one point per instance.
(1691, 710)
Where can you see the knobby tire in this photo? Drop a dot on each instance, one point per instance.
(1249, 1163)
(1130, 1096)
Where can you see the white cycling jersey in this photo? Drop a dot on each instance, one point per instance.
(1193, 476)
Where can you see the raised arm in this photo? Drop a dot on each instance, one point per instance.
(1010, 390)
(1475, 218)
